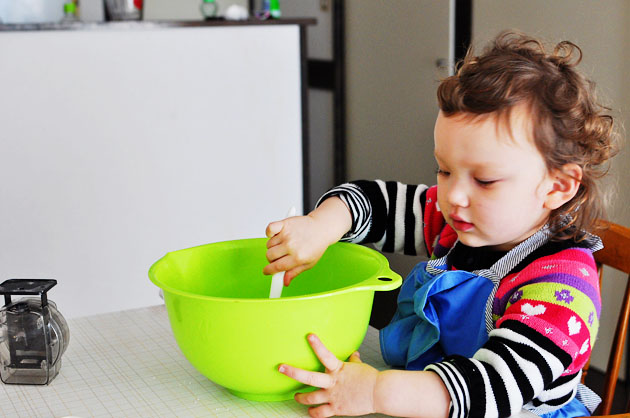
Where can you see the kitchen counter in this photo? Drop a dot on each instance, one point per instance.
(127, 364)
(150, 24)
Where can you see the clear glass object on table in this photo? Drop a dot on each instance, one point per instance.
(209, 9)
(123, 9)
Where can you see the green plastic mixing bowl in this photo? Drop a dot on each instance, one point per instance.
(218, 305)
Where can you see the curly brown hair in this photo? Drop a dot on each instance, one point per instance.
(569, 124)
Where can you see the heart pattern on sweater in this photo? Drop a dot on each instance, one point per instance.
(574, 325)
(529, 309)
(584, 346)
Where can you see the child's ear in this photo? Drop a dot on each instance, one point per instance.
(565, 184)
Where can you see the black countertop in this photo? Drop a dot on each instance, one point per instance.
(153, 24)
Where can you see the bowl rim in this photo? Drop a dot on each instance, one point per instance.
(374, 283)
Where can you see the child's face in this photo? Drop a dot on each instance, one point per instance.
(492, 186)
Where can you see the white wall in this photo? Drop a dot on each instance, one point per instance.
(602, 32)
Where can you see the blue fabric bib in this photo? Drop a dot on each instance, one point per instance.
(437, 316)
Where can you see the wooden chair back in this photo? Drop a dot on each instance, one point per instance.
(615, 254)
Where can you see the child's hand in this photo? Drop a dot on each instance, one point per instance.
(296, 244)
(347, 388)
(293, 246)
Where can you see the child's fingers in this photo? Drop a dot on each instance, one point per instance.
(276, 240)
(317, 379)
(273, 228)
(272, 268)
(322, 411)
(282, 264)
(355, 357)
(312, 398)
(275, 253)
(327, 358)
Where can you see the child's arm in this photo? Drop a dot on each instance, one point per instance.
(389, 214)
(296, 244)
(405, 393)
(355, 388)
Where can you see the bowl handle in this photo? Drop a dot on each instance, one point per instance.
(385, 279)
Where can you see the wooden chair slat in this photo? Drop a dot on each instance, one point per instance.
(615, 254)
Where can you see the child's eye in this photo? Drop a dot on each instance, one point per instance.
(485, 182)
(441, 172)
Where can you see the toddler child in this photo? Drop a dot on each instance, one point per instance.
(504, 314)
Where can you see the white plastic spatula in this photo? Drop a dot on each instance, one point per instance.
(278, 278)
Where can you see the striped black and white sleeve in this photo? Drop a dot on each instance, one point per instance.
(388, 214)
(518, 367)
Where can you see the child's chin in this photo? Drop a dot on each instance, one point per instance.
(471, 240)
(477, 241)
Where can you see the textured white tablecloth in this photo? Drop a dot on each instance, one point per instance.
(127, 364)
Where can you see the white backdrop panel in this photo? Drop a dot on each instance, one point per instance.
(118, 145)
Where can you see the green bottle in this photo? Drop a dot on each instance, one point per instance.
(274, 9)
(69, 12)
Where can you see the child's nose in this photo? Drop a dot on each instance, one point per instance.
(458, 193)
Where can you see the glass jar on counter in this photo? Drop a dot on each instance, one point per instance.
(209, 9)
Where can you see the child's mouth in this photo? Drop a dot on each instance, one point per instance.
(461, 225)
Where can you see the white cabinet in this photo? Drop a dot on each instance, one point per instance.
(121, 142)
